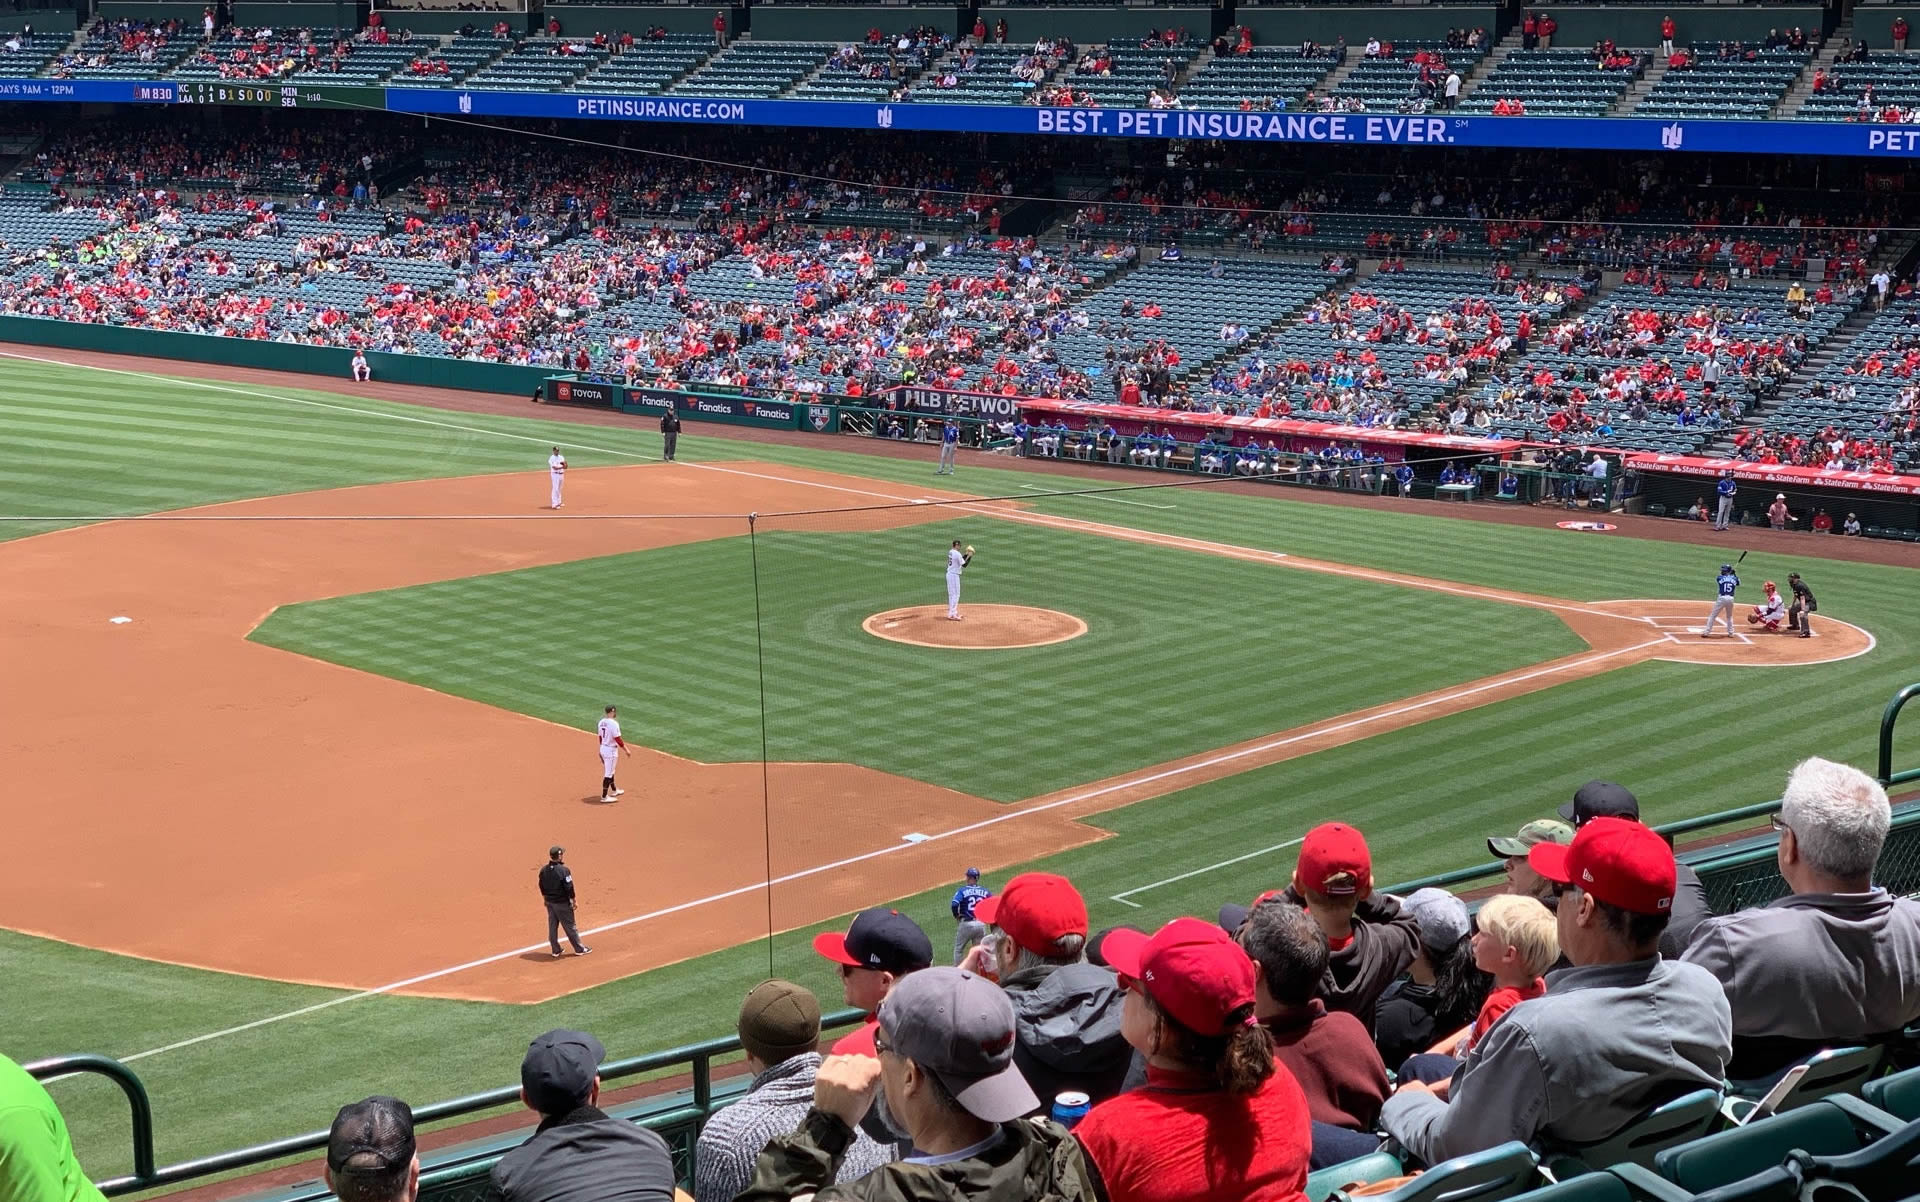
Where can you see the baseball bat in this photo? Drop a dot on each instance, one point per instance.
(1742, 559)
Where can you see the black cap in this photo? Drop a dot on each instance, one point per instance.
(1095, 944)
(559, 1070)
(371, 1137)
(1601, 799)
(1233, 916)
(881, 939)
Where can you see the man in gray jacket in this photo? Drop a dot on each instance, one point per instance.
(780, 1032)
(1067, 1011)
(1836, 961)
(1621, 1031)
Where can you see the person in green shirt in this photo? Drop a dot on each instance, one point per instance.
(37, 1163)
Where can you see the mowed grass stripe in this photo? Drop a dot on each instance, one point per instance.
(1234, 650)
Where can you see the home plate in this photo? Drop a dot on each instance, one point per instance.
(119, 621)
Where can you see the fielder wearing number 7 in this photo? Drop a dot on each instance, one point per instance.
(957, 561)
(611, 745)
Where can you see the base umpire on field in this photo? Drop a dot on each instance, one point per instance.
(556, 890)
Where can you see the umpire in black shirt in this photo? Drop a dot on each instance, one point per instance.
(1800, 613)
(556, 889)
(669, 432)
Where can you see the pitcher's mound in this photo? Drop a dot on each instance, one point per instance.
(981, 628)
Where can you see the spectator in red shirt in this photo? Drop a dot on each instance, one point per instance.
(1330, 1054)
(1822, 523)
(1215, 1119)
(1548, 27)
(720, 27)
(878, 948)
(1667, 30)
(1900, 30)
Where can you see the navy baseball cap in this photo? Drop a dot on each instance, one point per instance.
(1601, 799)
(881, 939)
(559, 1070)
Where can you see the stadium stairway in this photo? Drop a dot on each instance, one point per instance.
(1340, 74)
(1796, 97)
(1637, 91)
(1502, 50)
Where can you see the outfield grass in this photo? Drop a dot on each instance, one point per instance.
(1689, 739)
(1169, 632)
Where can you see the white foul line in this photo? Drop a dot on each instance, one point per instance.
(1095, 496)
(1122, 897)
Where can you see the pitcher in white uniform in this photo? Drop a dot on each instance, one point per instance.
(956, 564)
(557, 474)
(611, 745)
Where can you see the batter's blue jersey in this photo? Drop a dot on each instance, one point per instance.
(965, 898)
(1727, 583)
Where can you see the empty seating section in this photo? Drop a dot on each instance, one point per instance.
(1194, 306)
(1384, 81)
(145, 54)
(649, 68)
(1268, 73)
(990, 81)
(1725, 87)
(1866, 401)
(755, 70)
(1749, 314)
(1551, 83)
(1133, 72)
(540, 64)
(1893, 76)
(35, 52)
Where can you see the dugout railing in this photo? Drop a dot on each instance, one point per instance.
(1738, 873)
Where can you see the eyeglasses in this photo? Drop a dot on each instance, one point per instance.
(847, 970)
(1778, 823)
(880, 1044)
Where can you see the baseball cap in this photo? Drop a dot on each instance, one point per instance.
(371, 1137)
(960, 1028)
(1190, 968)
(1540, 830)
(1617, 860)
(1334, 861)
(555, 852)
(1035, 910)
(1441, 915)
(559, 1069)
(880, 938)
(1600, 799)
(1096, 946)
(779, 1020)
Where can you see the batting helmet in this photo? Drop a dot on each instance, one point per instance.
(1726, 567)
(973, 874)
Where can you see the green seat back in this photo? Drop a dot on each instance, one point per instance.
(1898, 1095)
(1717, 1160)
(1489, 1176)
(1375, 1167)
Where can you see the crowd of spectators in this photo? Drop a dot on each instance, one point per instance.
(1229, 1055)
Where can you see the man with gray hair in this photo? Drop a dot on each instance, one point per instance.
(1836, 961)
(371, 1156)
(1067, 1011)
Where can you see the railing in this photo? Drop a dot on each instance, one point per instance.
(1888, 776)
(1737, 875)
(697, 1058)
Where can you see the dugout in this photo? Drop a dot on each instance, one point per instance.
(1669, 493)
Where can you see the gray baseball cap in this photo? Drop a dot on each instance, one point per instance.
(1540, 830)
(559, 1070)
(960, 1028)
(1441, 915)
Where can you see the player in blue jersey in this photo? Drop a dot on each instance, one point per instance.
(971, 930)
(1723, 509)
(949, 444)
(1723, 588)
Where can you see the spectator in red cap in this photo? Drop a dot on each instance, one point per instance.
(1068, 1011)
(1619, 1031)
(1328, 1052)
(1604, 799)
(1370, 939)
(1214, 1119)
(879, 948)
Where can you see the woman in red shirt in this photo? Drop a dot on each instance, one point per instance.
(1216, 1118)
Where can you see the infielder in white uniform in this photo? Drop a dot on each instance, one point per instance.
(957, 561)
(557, 474)
(611, 745)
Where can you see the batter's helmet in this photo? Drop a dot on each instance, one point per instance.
(973, 874)
(1726, 567)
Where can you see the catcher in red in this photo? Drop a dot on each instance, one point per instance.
(1770, 614)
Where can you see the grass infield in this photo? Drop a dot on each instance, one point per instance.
(1183, 651)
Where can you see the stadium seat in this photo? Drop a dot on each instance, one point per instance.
(1377, 1167)
(1740, 1152)
(1667, 1125)
(1501, 1172)
(1898, 1095)
(1836, 1070)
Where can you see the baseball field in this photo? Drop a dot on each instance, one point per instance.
(300, 685)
